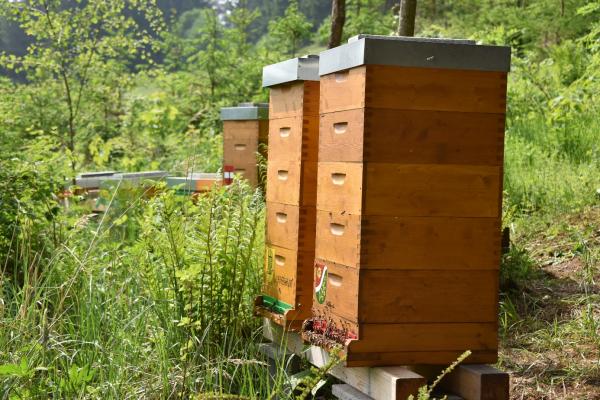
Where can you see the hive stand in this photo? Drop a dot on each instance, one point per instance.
(468, 382)
(291, 190)
(409, 194)
(245, 129)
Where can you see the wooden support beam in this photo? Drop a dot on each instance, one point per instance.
(478, 382)
(383, 383)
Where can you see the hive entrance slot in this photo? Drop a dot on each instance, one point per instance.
(338, 178)
(337, 229)
(285, 131)
(281, 217)
(282, 175)
(240, 147)
(335, 280)
(279, 260)
(340, 127)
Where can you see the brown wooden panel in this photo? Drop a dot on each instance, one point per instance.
(341, 292)
(285, 139)
(239, 151)
(429, 242)
(248, 172)
(241, 130)
(430, 190)
(445, 358)
(412, 137)
(341, 136)
(288, 275)
(340, 187)
(406, 296)
(286, 100)
(403, 88)
(425, 337)
(343, 90)
(292, 183)
(338, 238)
(291, 227)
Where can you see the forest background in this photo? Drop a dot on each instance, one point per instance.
(153, 298)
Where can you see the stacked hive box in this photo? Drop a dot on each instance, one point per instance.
(409, 200)
(291, 190)
(245, 128)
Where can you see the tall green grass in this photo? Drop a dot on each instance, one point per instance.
(167, 315)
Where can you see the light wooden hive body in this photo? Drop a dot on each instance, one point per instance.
(408, 221)
(242, 140)
(291, 196)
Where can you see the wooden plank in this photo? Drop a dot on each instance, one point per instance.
(383, 242)
(291, 227)
(285, 139)
(344, 90)
(408, 296)
(342, 293)
(431, 190)
(347, 392)
(412, 137)
(286, 100)
(288, 277)
(478, 382)
(374, 359)
(240, 151)
(426, 337)
(430, 243)
(292, 183)
(241, 129)
(340, 187)
(425, 296)
(403, 88)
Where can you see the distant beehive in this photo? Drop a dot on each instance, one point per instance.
(409, 200)
(291, 190)
(245, 128)
(195, 183)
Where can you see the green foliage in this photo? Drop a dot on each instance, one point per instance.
(289, 31)
(425, 391)
(78, 48)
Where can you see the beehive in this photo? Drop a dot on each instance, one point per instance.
(409, 200)
(291, 190)
(245, 129)
(195, 183)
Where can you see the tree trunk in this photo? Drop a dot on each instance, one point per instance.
(406, 23)
(338, 19)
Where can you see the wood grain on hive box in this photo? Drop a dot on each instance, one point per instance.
(292, 183)
(234, 129)
(294, 99)
(288, 274)
(412, 137)
(291, 227)
(405, 88)
(294, 139)
(406, 296)
(410, 189)
(384, 242)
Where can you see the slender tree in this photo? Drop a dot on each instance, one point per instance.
(338, 19)
(406, 20)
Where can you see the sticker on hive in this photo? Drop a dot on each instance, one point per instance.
(321, 282)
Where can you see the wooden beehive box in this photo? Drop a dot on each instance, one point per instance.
(409, 200)
(245, 130)
(291, 190)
